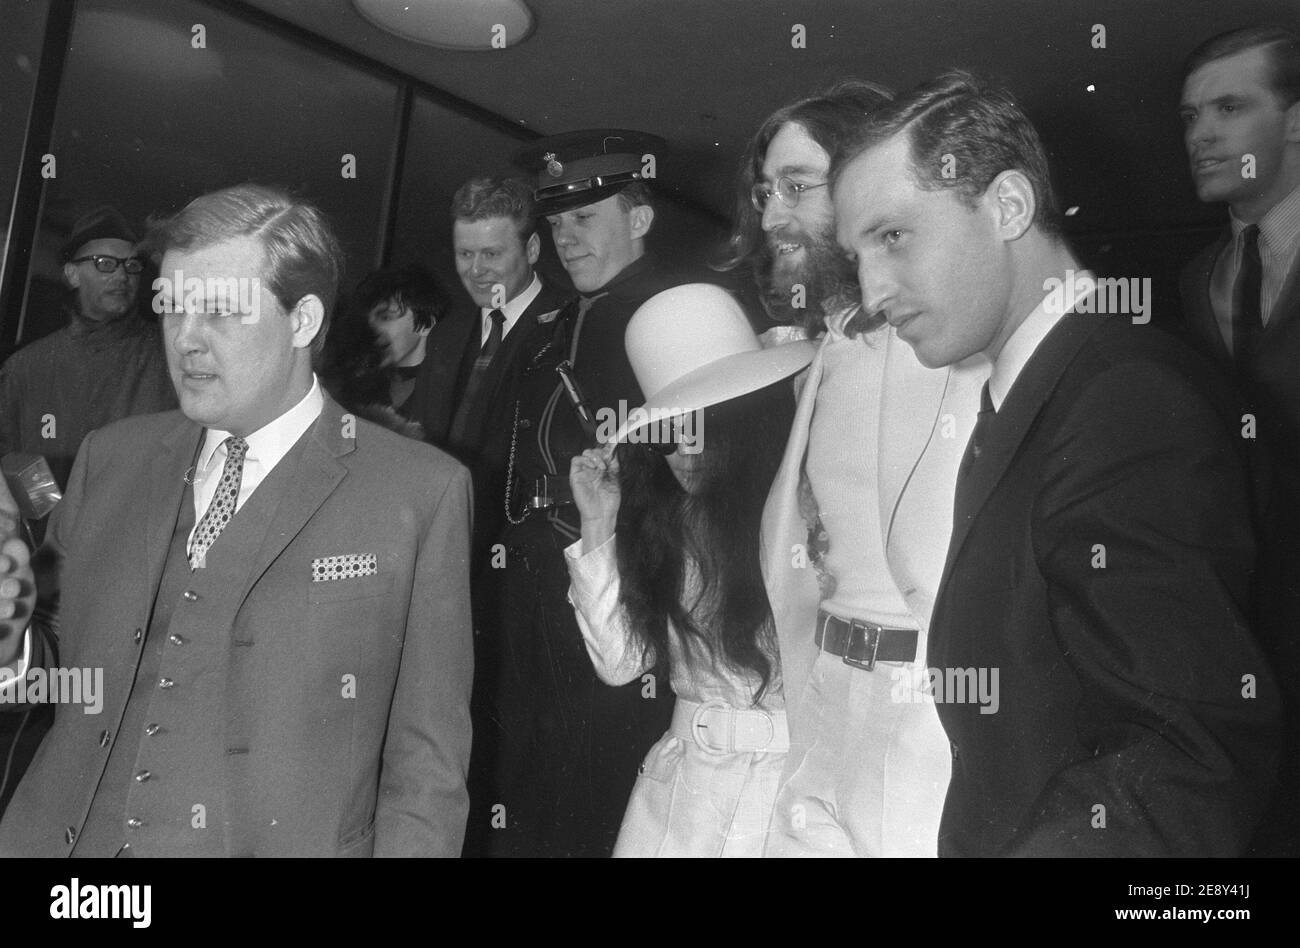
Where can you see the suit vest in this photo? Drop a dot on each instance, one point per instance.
(176, 781)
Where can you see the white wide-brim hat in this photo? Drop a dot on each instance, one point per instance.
(692, 347)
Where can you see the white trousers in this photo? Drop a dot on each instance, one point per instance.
(871, 778)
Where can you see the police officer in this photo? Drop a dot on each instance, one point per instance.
(568, 746)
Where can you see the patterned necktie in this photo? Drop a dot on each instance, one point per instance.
(974, 448)
(469, 397)
(222, 507)
(1247, 318)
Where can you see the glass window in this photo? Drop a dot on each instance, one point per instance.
(163, 101)
(443, 150)
(20, 55)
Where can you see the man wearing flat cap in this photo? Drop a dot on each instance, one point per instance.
(568, 745)
(105, 364)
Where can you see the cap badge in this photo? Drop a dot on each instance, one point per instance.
(553, 166)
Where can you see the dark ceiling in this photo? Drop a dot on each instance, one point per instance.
(704, 74)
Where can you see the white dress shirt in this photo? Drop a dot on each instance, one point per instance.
(512, 309)
(1024, 342)
(267, 446)
(1279, 241)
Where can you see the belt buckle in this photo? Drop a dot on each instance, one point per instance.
(872, 638)
(699, 730)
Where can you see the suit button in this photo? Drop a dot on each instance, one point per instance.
(70, 835)
(190, 595)
(165, 682)
(175, 639)
(152, 729)
(142, 776)
(135, 823)
(137, 635)
(525, 424)
(103, 738)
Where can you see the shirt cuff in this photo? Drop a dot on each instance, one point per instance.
(589, 573)
(10, 675)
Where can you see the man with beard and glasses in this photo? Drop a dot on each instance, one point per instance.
(857, 524)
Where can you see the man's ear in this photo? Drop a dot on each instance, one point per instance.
(1293, 122)
(306, 319)
(534, 248)
(1012, 198)
(72, 275)
(641, 218)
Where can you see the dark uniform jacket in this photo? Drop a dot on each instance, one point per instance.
(562, 751)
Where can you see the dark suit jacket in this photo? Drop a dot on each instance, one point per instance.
(1272, 393)
(1120, 691)
(1275, 388)
(383, 771)
(452, 348)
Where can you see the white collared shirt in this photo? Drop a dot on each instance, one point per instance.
(267, 447)
(1024, 342)
(1279, 242)
(512, 309)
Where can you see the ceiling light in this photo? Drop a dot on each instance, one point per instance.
(452, 24)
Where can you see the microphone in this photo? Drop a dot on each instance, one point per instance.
(30, 480)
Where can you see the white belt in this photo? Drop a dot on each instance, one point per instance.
(719, 728)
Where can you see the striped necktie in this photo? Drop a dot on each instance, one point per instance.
(469, 398)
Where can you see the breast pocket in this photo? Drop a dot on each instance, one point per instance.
(358, 587)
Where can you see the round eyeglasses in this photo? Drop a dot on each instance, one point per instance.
(106, 264)
(787, 191)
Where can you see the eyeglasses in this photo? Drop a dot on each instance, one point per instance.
(664, 437)
(106, 264)
(787, 191)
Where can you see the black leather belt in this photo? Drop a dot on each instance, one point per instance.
(862, 644)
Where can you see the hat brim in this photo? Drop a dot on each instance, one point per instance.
(568, 202)
(727, 378)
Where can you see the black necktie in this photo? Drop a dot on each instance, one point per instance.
(1247, 319)
(469, 398)
(974, 449)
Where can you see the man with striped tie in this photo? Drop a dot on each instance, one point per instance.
(277, 592)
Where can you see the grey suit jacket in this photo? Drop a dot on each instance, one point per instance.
(324, 773)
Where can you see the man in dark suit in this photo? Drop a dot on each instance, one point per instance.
(465, 391)
(1241, 299)
(276, 591)
(1091, 658)
(465, 396)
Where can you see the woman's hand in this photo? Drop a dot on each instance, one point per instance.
(593, 475)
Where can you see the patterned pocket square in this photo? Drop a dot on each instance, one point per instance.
(344, 566)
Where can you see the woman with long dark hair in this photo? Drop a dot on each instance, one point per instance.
(667, 569)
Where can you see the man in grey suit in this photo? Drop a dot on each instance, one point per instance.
(276, 592)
